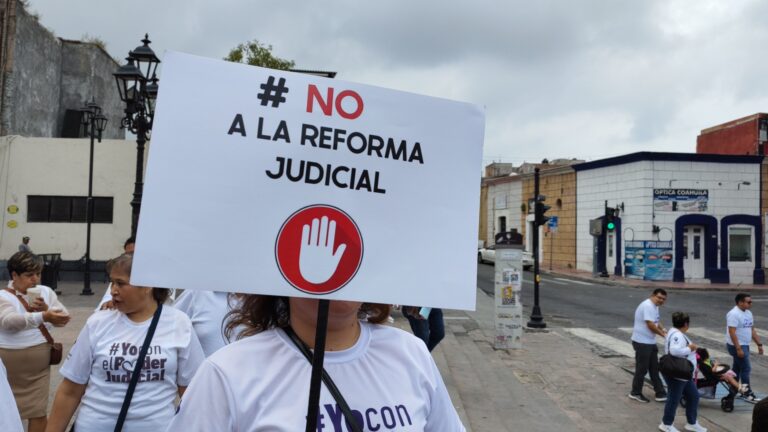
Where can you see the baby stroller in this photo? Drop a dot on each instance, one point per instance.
(714, 374)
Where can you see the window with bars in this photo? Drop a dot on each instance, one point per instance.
(72, 209)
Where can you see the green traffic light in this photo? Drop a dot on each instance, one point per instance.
(611, 226)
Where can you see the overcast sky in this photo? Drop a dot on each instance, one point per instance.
(559, 79)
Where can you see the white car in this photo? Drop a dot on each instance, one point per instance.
(488, 255)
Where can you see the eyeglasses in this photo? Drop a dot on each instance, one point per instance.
(748, 302)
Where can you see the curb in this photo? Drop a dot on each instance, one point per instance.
(628, 283)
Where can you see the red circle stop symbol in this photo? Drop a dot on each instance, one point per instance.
(319, 249)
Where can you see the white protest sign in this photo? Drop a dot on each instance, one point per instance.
(279, 183)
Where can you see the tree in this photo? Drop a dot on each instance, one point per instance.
(255, 53)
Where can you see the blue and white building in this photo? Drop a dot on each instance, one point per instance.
(680, 216)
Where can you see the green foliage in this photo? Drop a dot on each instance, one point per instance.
(257, 54)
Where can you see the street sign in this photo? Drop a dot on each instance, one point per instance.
(552, 224)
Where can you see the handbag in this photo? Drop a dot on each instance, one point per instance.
(57, 350)
(329, 384)
(137, 369)
(675, 367)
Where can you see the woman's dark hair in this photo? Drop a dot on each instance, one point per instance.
(680, 319)
(124, 263)
(23, 262)
(703, 353)
(257, 313)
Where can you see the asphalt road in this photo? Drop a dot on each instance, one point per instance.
(568, 303)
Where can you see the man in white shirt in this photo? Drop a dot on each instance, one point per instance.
(739, 331)
(647, 326)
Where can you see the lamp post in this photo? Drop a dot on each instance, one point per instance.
(94, 123)
(138, 92)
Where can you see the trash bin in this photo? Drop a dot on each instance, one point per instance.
(50, 273)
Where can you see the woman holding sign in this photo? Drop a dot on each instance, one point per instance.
(141, 343)
(261, 382)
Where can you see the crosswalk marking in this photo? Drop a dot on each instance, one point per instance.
(695, 334)
(571, 281)
(603, 340)
(557, 281)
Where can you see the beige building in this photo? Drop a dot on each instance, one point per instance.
(557, 246)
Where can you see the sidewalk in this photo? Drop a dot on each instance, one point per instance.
(553, 383)
(638, 283)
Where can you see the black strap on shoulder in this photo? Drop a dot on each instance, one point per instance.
(137, 369)
(329, 384)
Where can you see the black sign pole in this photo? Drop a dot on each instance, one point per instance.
(317, 365)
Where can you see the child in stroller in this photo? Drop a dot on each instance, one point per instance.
(714, 373)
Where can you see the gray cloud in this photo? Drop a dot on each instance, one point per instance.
(587, 78)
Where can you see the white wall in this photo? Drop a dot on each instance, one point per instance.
(51, 166)
(511, 192)
(633, 184)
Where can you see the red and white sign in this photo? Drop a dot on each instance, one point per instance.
(319, 249)
(292, 184)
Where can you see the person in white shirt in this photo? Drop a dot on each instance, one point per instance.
(386, 375)
(677, 344)
(98, 369)
(23, 348)
(9, 414)
(740, 329)
(207, 310)
(647, 326)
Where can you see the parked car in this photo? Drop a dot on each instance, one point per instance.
(486, 254)
(527, 260)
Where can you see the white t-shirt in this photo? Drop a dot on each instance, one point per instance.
(646, 311)
(207, 310)
(676, 344)
(9, 414)
(743, 322)
(104, 355)
(30, 336)
(262, 382)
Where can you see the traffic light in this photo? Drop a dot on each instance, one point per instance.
(540, 209)
(610, 219)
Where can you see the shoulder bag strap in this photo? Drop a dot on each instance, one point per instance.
(41, 327)
(137, 369)
(329, 384)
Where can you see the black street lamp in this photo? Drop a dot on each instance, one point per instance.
(139, 92)
(94, 123)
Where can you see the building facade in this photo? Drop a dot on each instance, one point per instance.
(43, 187)
(45, 80)
(681, 217)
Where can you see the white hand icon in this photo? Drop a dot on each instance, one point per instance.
(317, 260)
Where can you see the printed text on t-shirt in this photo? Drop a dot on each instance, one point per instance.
(122, 362)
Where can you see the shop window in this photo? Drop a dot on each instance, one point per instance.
(740, 244)
(68, 209)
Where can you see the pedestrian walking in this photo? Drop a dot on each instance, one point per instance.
(647, 325)
(430, 328)
(27, 313)
(24, 246)
(386, 375)
(677, 344)
(107, 357)
(740, 329)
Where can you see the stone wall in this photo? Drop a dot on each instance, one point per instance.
(42, 76)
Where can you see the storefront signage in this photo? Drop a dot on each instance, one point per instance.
(681, 200)
(648, 260)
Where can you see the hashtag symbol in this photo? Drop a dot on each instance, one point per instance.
(113, 349)
(273, 93)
